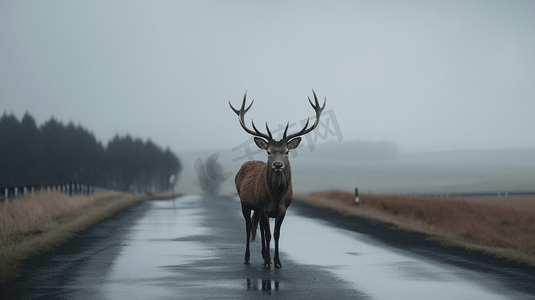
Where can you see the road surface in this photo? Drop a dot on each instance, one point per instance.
(192, 247)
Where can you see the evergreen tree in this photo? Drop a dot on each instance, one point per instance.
(55, 153)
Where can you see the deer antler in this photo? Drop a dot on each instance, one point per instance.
(306, 130)
(241, 114)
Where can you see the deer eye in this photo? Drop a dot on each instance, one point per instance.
(269, 152)
(287, 151)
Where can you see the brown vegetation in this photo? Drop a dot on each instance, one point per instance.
(501, 226)
(40, 222)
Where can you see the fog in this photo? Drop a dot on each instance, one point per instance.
(424, 76)
(376, 167)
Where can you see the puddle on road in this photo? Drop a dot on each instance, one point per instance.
(157, 242)
(373, 269)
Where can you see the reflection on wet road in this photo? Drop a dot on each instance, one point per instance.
(192, 247)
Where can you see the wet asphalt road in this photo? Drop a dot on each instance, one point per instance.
(192, 247)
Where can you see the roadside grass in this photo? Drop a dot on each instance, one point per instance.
(43, 221)
(504, 227)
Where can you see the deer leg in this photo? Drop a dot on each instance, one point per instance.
(247, 215)
(277, 230)
(267, 236)
(262, 235)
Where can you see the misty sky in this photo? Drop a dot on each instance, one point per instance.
(427, 75)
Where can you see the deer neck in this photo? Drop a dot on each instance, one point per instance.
(279, 182)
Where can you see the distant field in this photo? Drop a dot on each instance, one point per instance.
(500, 226)
(441, 172)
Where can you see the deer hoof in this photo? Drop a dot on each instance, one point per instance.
(267, 265)
(278, 265)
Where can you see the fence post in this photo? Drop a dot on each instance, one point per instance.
(357, 196)
(6, 193)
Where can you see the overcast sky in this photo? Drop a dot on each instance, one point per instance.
(427, 75)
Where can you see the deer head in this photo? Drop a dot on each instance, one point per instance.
(278, 150)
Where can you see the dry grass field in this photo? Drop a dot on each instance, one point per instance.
(41, 222)
(503, 226)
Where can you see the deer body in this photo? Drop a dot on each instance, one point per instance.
(266, 188)
(267, 201)
(262, 195)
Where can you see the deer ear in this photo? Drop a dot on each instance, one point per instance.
(294, 143)
(261, 143)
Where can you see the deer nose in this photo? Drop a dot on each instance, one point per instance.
(278, 165)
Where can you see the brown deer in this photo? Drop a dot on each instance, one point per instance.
(267, 188)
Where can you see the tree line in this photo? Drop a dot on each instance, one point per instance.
(55, 153)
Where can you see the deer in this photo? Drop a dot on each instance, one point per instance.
(266, 188)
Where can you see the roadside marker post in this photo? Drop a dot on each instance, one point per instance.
(357, 196)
